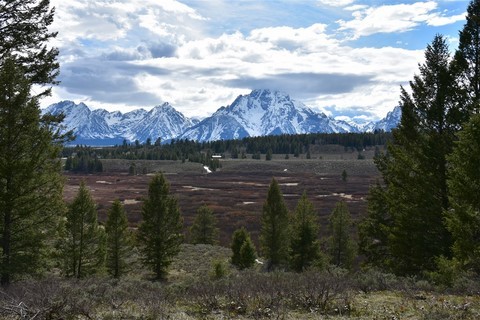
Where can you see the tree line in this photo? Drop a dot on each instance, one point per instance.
(89, 159)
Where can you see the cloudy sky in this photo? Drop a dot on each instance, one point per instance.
(343, 57)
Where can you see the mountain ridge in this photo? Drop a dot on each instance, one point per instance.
(260, 113)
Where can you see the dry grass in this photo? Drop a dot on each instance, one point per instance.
(191, 293)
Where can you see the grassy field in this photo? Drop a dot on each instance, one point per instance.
(194, 291)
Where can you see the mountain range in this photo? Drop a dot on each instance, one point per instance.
(260, 113)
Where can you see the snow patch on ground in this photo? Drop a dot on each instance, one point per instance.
(191, 188)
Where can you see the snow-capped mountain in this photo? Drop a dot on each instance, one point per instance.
(260, 113)
(100, 127)
(162, 121)
(391, 120)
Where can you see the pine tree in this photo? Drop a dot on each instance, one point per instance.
(275, 233)
(463, 219)
(31, 200)
(243, 250)
(160, 232)
(30, 185)
(467, 58)
(24, 37)
(341, 246)
(247, 254)
(84, 247)
(304, 246)
(238, 238)
(415, 167)
(119, 240)
(204, 229)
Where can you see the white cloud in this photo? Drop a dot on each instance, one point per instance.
(336, 3)
(395, 18)
(121, 54)
(437, 21)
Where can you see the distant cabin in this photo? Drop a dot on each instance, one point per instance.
(216, 156)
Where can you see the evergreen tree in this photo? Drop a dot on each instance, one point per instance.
(160, 232)
(24, 36)
(304, 246)
(31, 200)
(204, 229)
(341, 246)
(119, 240)
(274, 237)
(463, 219)
(238, 238)
(247, 254)
(84, 247)
(467, 58)
(243, 250)
(415, 167)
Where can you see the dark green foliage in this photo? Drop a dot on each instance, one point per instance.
(24, 36)
(341, 247)
(268, 156)
(30, 176)
(160, 232)
(415, 168)
(248, 254)
(238, 238)
(466, 64)
(374, 230)
(119, 240)
(463, 219)
(243, 250)
(275, 232)
(304, 246)
(202, 152)
(204, 229)
(84, 160)
(344, 175)
(84, 245)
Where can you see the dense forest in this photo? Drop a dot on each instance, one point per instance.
(88, 159)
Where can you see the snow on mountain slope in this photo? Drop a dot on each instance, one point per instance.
(260, 113)
(391, 120)
(102, 127)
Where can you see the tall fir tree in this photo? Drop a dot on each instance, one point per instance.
(341, 246)
(467, 59)
(275, 231)
(204, 228)
(119, 240)
(304, 246)
(30, 177)
(463, 219)
(24, 37)
(160, 232)
(84, 247)
(415, 167)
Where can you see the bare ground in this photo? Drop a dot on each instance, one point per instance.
(237, 191)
